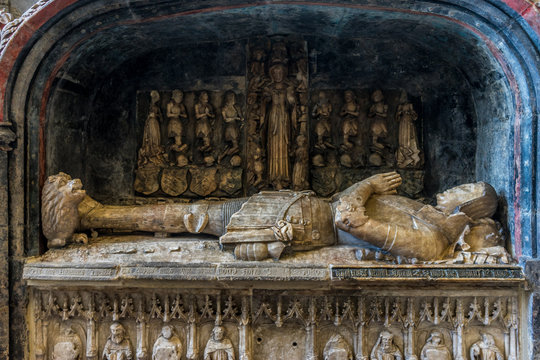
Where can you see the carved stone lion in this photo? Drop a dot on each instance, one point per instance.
(60, 218)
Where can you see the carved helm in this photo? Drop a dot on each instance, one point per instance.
(477, 200)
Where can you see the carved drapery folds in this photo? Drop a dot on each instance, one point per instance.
(161, 325)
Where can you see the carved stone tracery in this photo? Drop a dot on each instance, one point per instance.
(373, 324)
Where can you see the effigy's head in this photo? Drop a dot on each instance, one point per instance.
(476, 200)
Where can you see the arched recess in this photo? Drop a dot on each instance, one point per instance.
(475, 64)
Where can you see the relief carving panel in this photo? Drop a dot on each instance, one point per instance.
(196, 150)
(160, 325)
(195, 142)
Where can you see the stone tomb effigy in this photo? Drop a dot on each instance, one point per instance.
(275, 221)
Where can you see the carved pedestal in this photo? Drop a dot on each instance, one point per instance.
(268, 310)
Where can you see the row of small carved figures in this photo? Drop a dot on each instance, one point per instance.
(408, 154)
(168, 345)
(151, 148)
(388, 311)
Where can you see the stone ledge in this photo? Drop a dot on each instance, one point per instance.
(144, 262)
(429, 272)
(264, 272)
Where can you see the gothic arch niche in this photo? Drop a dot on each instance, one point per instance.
(474, 92)
(464, 83)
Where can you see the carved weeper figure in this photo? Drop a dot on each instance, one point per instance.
(218, 346)
(68, 346)
(434, 349)
(118, 346)
(266, 223)
(385, 349)
(378, 111)
(151, 151)
(486, 349)
(168, 346)
(408, 152)
(350, 112)
(337, 349)
(300, 170)
(176, 112)
(322, 112)
(231, 114)
(204, 113)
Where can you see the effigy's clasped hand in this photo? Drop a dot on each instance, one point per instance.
(386, 183)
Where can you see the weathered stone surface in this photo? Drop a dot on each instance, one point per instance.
(4, 258)
(475, 95)
(136, 258)
(535, 324)
(7, 137)
(262, 324)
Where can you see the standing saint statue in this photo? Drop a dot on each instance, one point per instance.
(151, 151)
(118, 346)
(218, 346)
(204, 113)
(168, 346)
(434, 349)
(486, 349)
(176, 112)
(385, 349)
(408, 153)
(232, 114)
(280, 94)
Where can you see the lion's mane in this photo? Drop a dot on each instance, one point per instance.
(59, 201)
